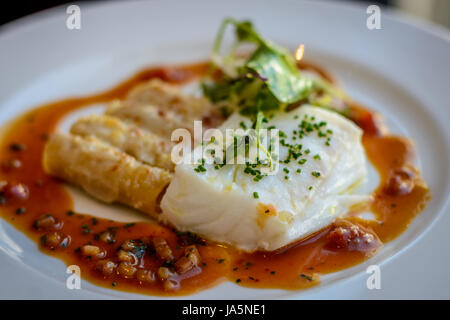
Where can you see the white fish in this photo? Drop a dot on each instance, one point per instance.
(227, 205)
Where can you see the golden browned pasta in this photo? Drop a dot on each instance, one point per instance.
(141, 144)
(169, 97)
(161, 107)
(105, 172)
(149, 117)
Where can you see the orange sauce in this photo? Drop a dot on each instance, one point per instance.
(295, 267)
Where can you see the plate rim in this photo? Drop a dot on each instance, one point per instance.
(392, 14)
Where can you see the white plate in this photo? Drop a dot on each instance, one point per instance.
(402, 70)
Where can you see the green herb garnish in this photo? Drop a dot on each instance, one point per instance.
(129, 225)
(315, 174)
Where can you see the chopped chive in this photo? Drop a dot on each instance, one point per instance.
(305, 276)
(17, 147)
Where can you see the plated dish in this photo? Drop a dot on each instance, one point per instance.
(279, 219)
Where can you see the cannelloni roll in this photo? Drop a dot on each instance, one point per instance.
(149, 117)
(161, 108)
(105, 172)
(169, 97)
(145, 146)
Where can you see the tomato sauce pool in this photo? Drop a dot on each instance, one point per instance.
(27, 193)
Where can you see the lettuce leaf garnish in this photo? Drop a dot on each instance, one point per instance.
(280, 73)
(267, 80)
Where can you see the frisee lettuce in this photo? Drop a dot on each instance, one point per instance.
(265, 80)
(268, 79)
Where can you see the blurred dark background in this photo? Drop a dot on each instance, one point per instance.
(437, 11)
